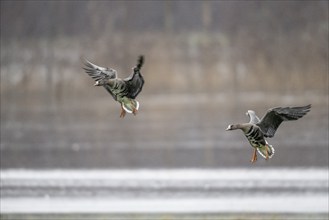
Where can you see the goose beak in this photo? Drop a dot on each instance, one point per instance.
(228, 128)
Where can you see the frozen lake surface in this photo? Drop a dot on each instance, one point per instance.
(268, 190)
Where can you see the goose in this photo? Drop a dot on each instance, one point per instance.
(122, 90)
(258, 129)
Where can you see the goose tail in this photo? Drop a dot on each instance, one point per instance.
(130, 105)
(269, 148)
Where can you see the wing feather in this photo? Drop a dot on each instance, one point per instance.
(253, 117)
(135, 81)
(98, 72)
(275, 116)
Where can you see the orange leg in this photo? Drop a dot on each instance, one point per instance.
(134, 110)
(123, 112)
(266, 153)
(254, 157)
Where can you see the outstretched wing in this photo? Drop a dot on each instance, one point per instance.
(253, 117)
(135, 81)
(98, 72)
(275, 116)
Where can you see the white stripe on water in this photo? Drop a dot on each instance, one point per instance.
(286, 204)
(173, 174)
(184, 178)
(312, 198)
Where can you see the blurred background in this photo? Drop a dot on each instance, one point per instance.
(206, 64)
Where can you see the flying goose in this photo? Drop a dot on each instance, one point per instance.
(257, 129)
(122, 90)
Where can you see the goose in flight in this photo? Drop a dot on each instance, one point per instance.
(122, 90)
(258, 129)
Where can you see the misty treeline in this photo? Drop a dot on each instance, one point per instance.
(190, 46)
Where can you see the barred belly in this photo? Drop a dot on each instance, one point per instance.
(255, 137)
(119, 89)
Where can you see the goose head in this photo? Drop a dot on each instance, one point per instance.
(232, 127)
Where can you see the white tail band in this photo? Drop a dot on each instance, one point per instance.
(130, 111)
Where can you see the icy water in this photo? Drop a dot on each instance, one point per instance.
(165, 191)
